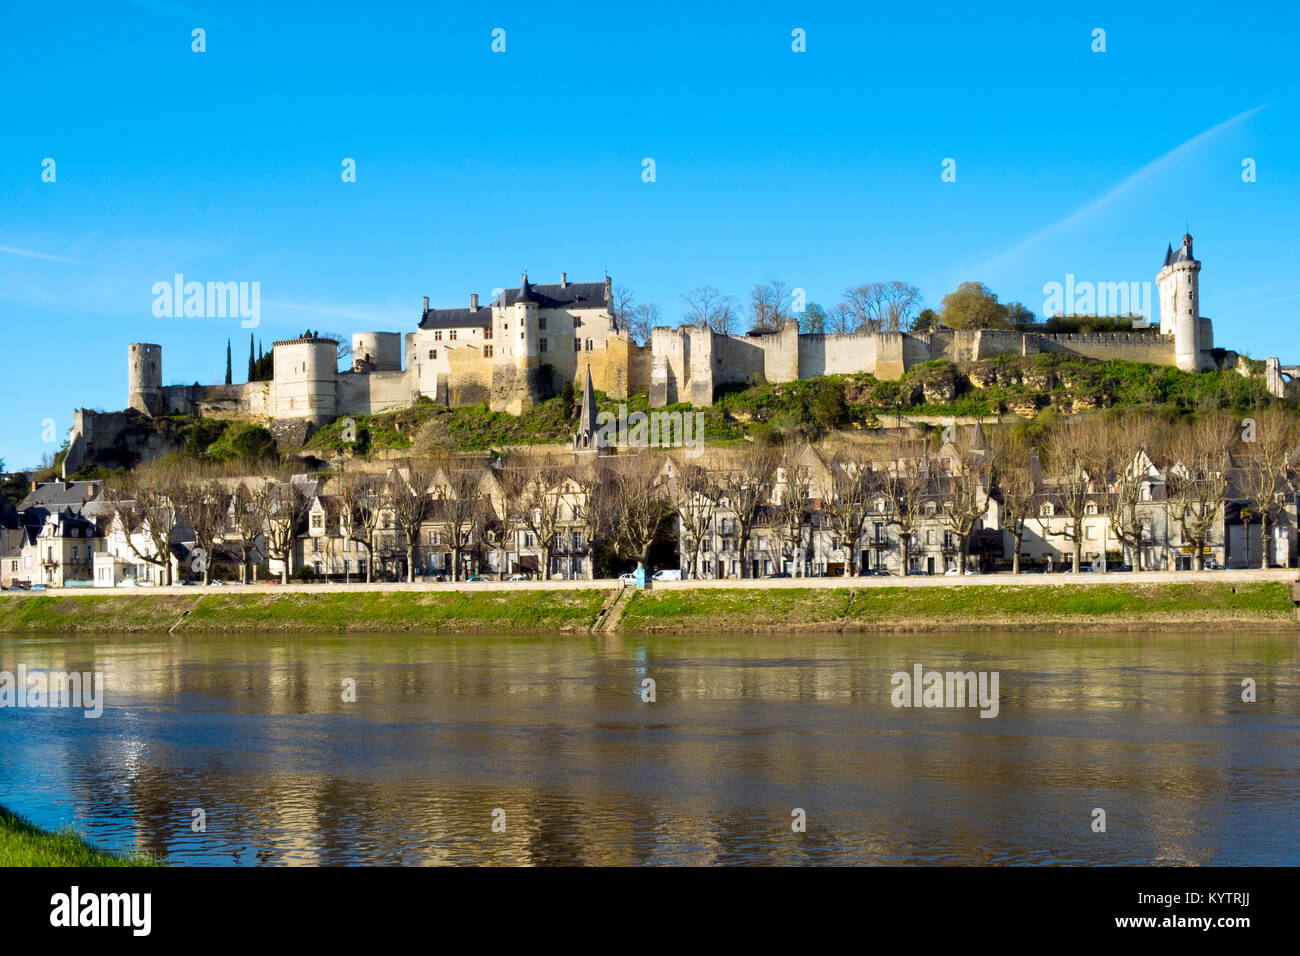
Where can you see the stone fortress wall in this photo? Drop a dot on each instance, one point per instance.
(524, 345)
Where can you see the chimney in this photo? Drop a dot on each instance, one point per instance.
(426, 303)
(33, 485)
(473, 301)
(564, 280)
(609, 290)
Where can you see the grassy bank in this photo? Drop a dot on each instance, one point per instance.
(22, 844)
(497, 612)
(1152, 606)
(1199, 604)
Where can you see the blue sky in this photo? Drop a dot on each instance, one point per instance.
(820, 169)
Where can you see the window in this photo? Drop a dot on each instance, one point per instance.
(541, 345)
(433, 354)
(437, 335)
(487, 333)
(929, 507)
(1090, 509)
(1045, 511)
(347, 545)
(487, 351)
(452, 335)
(317, 520)
(541, 321)
(577, 322)
(315, 544)
(1091, 533)
(588, 345)
(577, 541)
(435, 539)
(528, 540)
(75, 554)
(577, 345)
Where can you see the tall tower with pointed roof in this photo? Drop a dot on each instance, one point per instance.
(588, 437)
(1180, 304)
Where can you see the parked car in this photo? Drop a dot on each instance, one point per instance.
(956, 572)
(517, 577)
(877, 573)
(37, 587)
(628, 579)
(916, 573)
(1033, 571)
(478, 578)
(667, 574)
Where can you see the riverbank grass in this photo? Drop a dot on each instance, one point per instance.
(971, 607)
(24, 844)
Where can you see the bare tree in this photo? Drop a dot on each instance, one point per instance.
(906, 481)
(410, 497)
(204, 504)
(596, 513)
(362, 503)
(853, 484)
(964, 496)
(746, 485)
(1076, 476)
(1014, 478)
(706, 306)
(142, 501)
(790, 514)
(881, 306)
(246, 524)
(458, 499)
(769, 306)
(286, 511)
(641, 320)
(1265, 476)
(693, 494)
(640, 505)
(1132, 440)
(532, 490)
(1198, 478)
(620, 305)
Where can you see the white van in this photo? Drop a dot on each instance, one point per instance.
(667, 575)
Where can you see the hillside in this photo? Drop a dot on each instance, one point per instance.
(1025, 386)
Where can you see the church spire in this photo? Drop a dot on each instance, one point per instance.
(588, 436)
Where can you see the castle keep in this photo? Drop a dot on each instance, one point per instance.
(530, 340)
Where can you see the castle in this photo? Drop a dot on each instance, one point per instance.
(529, 341)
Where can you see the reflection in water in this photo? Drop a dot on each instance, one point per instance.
(255, 732)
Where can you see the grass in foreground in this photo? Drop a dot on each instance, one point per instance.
(23, 844)
(887, 608)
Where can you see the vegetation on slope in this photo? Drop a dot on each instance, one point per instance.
(23, 844)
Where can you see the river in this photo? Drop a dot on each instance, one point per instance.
(499, 750)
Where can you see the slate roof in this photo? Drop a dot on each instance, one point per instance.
(1184, 253)
(571, 295)
(480, 318)
(57, 495)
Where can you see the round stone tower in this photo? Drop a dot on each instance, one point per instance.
(377, 351)
(144, 377)
(305, 379)
(1180, 304)
(516, 366)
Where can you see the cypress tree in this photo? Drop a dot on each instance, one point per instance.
(252, 369)
(228, 378)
